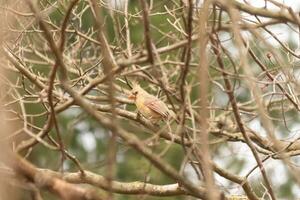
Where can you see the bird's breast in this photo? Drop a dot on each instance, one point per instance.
(145, 111)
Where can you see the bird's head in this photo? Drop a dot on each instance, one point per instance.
(136, 90)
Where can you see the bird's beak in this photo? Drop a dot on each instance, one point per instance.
(132, 97)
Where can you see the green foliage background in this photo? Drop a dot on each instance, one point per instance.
(76, 127)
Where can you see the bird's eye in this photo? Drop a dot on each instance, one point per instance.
(135, 93)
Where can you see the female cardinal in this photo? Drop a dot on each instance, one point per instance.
(150, 106)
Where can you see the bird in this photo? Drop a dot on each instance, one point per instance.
(150, 106)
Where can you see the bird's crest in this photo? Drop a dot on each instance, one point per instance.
(135, 85)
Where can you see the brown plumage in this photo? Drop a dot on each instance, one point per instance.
(150, 106)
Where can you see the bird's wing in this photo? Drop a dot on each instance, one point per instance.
(157, 106)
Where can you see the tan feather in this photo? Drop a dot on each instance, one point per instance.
(150, 106)
(157, 106)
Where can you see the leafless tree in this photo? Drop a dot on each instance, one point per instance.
(231, 80)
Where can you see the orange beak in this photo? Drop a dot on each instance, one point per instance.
(132, 96)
